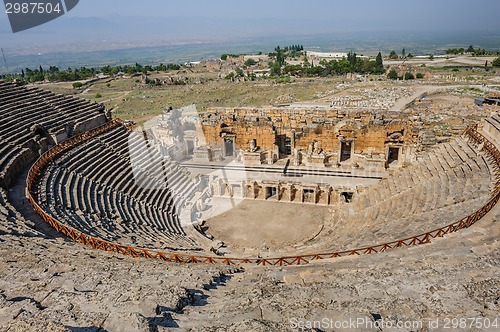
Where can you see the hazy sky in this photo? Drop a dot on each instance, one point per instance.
(104, 24)
(363, 14)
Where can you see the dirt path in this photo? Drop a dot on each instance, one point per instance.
(418, 91)
(123, 95)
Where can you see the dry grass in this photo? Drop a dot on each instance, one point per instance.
(131, 100)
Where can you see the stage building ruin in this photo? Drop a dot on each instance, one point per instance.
(306, 137)
(290, 143)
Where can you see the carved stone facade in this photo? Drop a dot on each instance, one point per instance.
(321, 138)
(279, 191)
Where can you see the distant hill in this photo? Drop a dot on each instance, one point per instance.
(95, 41)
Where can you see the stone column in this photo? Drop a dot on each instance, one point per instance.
(290, 192)
(223, 147)
(243, 189)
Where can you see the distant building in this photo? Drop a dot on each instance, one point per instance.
(329, 56)
(261, 72)
(191, 64)
(323, 55)
(256, 57)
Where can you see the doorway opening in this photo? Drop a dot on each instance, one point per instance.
(271, 192)
(228, 144)
(345, 151)
(346, 196)
(392, 155)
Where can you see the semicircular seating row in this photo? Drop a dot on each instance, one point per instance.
(22, 108)
(119, 189)
(142, 216)
(97, 192)
(442, 186)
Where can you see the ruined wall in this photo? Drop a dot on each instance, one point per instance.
(94, 122)
(263, 133)
(367, 138)
(269, 126)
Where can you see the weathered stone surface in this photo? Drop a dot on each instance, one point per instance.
(132, 322)
(48, 283)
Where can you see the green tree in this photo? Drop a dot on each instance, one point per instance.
(480, 51)
(409, 76)
(250, 62)
(275, 68)
(173, 66)
(471, 49)
(77, 85)
(393, 74)
(161, 67)
(130, 70)
(223, 57)
(343, 67)
(280, 56)
(239, 72)
(379, 64)
(403, 53)
(352, 58)
(420, 75)
(393, 55)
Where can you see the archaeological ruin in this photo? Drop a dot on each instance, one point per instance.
(210, 194)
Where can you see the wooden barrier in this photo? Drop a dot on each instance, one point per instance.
(42, 163)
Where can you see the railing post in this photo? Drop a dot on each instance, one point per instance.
(36, 171)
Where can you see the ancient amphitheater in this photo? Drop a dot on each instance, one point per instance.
(243, 219)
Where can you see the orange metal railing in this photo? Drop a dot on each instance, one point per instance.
(41, 164)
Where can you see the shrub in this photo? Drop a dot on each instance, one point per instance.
(77, 85)
(409, 76)
(392, 75)
(283, 79)
(250, 62)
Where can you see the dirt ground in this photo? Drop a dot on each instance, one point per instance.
(258, 224)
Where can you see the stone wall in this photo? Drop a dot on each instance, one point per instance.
(244, 132)
(94, 122)
(272, 127)
(280, 191)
